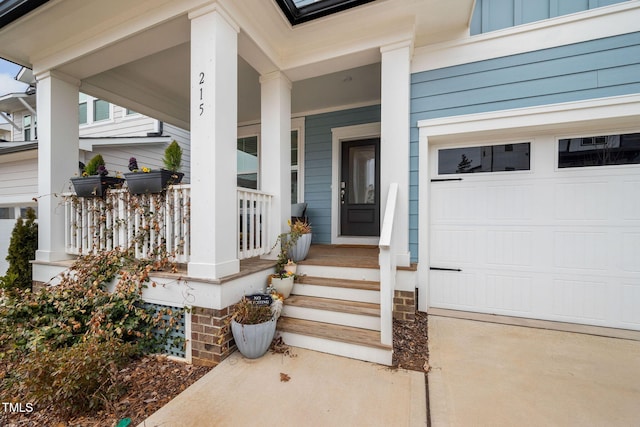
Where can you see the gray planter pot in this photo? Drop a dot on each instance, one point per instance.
(155, 181)
(300, 250)
(94, 185)
(253, 341)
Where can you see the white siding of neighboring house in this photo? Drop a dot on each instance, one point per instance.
(148, 155)
(18, 185)
(19, 181)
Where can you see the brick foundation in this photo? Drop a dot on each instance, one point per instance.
(206, 324)
(404, 305)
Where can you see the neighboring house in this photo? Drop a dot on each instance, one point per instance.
(502, 135)
(107, 129)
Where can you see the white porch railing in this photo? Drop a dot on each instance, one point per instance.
(155, 225)
(254, 209)
(387, 261)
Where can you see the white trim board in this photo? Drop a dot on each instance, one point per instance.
(621, 109)
(339, 134)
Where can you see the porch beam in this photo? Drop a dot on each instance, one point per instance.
(275, 153)
(57, 100)
(394, 138)
(214, 119)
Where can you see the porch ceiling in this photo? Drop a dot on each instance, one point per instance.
(137, 54)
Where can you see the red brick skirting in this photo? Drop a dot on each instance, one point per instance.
(404, 305)
(206, 325)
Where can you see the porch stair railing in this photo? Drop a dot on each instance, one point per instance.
(388, 266)
(156, 225)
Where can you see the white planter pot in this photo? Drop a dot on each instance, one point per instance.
(300, 250)
(253, 340)
(283, 286)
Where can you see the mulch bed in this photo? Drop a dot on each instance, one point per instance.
(153, 381)
(411, 344)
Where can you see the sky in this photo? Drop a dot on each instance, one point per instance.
(8, 84)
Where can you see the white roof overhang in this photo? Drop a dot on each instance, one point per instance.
(137, 54)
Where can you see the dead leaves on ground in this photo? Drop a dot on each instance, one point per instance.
(284, 377)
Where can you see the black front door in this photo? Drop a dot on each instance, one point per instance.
(360, 188)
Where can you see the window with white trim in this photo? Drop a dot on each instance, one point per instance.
(248, 161)
(82, 109)
(93, 110)
(26, 127)
(101, 110)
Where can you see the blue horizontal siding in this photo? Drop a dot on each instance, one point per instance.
(317, 163)
(589, 70)
(491, 15)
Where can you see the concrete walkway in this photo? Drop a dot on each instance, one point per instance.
(323, 390)
(486, 374)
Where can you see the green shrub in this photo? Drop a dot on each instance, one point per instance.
(93, 166)
(22, 249)
(173, 157)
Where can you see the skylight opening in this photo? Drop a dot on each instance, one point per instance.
(299, 11)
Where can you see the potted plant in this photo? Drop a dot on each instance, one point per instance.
(294, 245)
(282, 282)
(94, 180)
(145, 180)
(300, 237)
(253, 326)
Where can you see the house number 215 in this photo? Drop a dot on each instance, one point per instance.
(201, 83)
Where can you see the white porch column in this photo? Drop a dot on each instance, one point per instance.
(275, 153)
(394, 138)
(214, 120)
(57, 100)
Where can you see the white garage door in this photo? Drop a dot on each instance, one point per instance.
(548, 243)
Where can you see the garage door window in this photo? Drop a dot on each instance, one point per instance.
(487, 158)
(604, 150)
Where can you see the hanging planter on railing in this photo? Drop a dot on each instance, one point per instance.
(153, 181)
(144, 180)
(94, 181)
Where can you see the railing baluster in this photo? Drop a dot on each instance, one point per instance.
(253, 220)
(154, 225)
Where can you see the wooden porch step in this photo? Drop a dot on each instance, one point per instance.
(334, 305)
(338, 333)
(365, 285)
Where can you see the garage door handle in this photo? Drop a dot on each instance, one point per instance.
(444, 269)
(445, 179)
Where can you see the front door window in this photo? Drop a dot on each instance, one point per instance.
(360, 188)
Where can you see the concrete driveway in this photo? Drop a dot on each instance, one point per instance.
(487, 374)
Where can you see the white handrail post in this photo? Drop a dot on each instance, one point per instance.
(387, 262)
